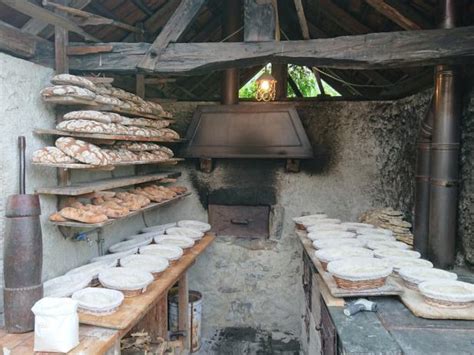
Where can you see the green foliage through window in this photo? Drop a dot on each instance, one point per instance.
(303, 77)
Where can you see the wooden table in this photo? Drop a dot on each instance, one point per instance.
(93, 341)
(149, 312)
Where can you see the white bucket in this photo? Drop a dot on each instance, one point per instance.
(194, 317)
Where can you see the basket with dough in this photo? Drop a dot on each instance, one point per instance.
(149, 263)
(339, 242)
(197, 225)
(382, 231)
(352, 226)
(93, 269)
(389, 244)
(390, 253)
(398, 262)
(178, 240)
(415, 275)
(447, 293)
(326, 227)
(359, 273)
(185, 232)
(336, 253)
(305, 219)
(170, 252)
(98, 301)
(331, 234)
(130, 282)
(66, 285)
(366, 238)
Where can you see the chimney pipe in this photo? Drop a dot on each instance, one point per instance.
(422, 185)
(445, 155)
(231, 23)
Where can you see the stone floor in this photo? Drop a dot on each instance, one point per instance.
(249, 341)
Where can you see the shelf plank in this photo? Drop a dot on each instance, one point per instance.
(134, 308)
(172, 161)
(104, 184)
(114, 137)
(151, 206)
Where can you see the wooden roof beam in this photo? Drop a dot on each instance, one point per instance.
(35, 26)
(372, 51)
(173, 30)
(39, 13)
(402, 15)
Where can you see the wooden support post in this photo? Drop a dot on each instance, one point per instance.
(155, 322)
(140, 85)
(61, 41)
(280, 73)
(183, 306)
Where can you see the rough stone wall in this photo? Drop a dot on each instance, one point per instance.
(466, 191)
(364, 159)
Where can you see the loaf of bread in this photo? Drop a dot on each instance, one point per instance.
(107, 100)
(144, 122)
(69, 79)
(81, 215)
(52, 155)
(67, 94)
(103, 89)
(120, 155)
(169, 133)
(56, 217)
(98, 116)
(84, 152)
(87, 126)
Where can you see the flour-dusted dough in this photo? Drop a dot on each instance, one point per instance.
(69, 79)
(103, 117)
(84, 152)
(52, 155)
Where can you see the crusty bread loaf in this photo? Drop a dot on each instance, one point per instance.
(80, 215)
(87, 126)
(67, 94)
(107, 100)
(69, 79)
(103, 117)
(84, 152)
(144, 122)
(52, 155)
(56, 217)
(169, 133)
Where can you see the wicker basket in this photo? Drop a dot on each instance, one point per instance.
(446, 304)
(133, 293)
(359, 285)
(98, 313)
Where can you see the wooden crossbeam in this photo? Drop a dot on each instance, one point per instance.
(372, 51)
(173, 30)
(399, 14)
(49, 17)
(25, 45)
(36, 26)
(84, 18)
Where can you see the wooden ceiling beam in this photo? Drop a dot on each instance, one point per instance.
(35, 26)
(39, 13)
(173, 30)
(372, 51)
(399, 14)
(84, 18)
(15, 42)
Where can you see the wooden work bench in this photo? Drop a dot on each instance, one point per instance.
(148, 312)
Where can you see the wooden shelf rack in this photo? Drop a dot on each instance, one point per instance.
(172, 161)
(151, 206)
(105, 184)
(106, 137)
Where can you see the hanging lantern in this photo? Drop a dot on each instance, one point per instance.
(266, 87)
